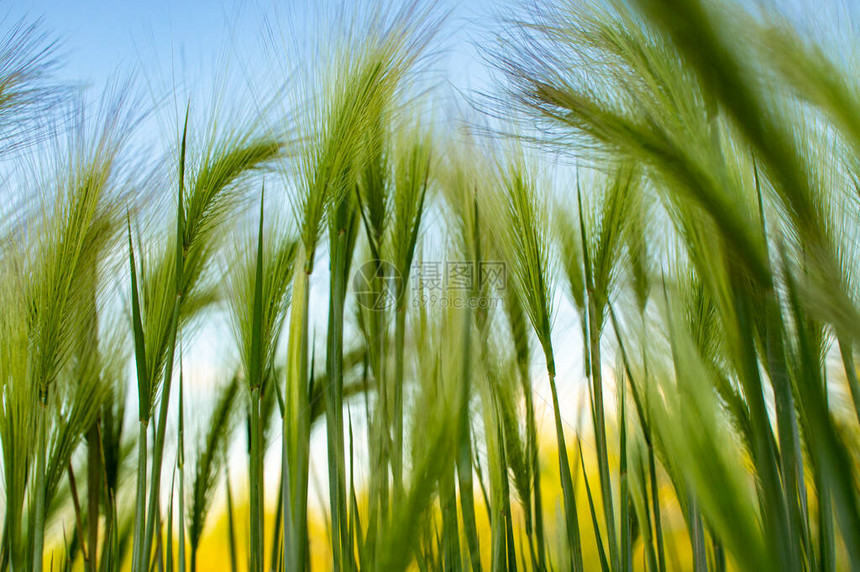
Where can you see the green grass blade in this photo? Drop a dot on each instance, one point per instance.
(168, 548)
(181, 468)
(255, 374)
(601, 551)
(231, 529)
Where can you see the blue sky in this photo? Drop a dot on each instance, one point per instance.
(184, 38)
(97, 36)
(175, 38)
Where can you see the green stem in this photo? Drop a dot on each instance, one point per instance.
(79, 521)
(286, 506)
(533, 455)
(297, 434)
(256, 375)
(140, 502)
(450, 530)
(181, 471)
(340, 541)
(159, 547)
(231, 532)
(39, 530)
(378, 320)
(571, 514)
(697, 535)
(13, 549)
(93, 493)
(626, 541)
(644, 516)
(595, 525)
(277, 532)
(256, 485)
(169, 542)
(498, 468)
(655, 500)
(826, 530)
(600, 431)
(399, 350)
(181, 519)
(508, 515)
(161, 428)
(464, 452)
(789, 452)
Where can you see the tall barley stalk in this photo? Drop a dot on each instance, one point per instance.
(343, 227)
(259, 293)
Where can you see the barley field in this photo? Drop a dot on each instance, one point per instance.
(598, 314)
